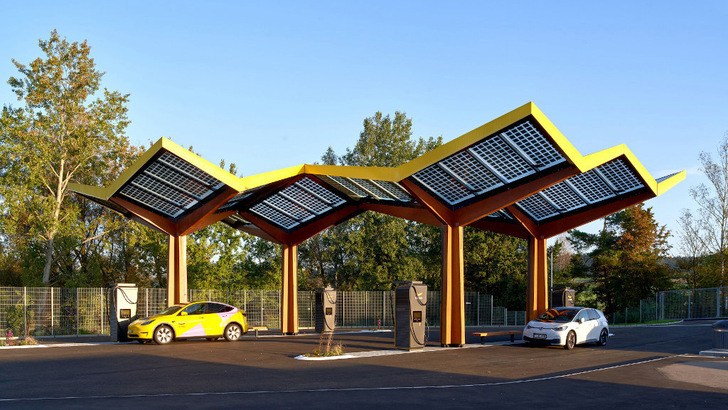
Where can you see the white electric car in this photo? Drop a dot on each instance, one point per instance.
(568, 327)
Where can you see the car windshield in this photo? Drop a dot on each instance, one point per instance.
(553, 315)
(170, 310)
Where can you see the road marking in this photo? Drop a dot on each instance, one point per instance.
(333, 390)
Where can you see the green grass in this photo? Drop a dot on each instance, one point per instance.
(652, 322)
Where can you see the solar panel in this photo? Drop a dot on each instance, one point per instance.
(620, 176)
(271, 214)
(591, 186)
(537, 207)
(150, 200)
(190, 170)
(172, 177)
(442, 184)
(395, 190)
(472, 171)
(563, 197)
(164, 191)
(534, 145)
(319, 191)
(371, 188)
(503, 159)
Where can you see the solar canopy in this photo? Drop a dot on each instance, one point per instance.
(478, 170)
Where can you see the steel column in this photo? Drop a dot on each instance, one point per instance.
(177, 271)
(289, 290)
(538, 301)
(452, 296)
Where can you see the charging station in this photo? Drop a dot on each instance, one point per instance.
(563, 298)
(325, 310)
(410, 308)
(122, 298)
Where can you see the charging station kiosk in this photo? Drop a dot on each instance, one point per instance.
(410, 308)
(122, 298)
(325, 310)
(563, 298)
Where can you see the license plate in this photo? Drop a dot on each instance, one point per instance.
(539, 336)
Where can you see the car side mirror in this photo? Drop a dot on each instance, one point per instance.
(183, 314)
(582, 320)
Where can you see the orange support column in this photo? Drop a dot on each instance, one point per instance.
(452, 296)
(289, 290)
(177, 272)
(538, 301)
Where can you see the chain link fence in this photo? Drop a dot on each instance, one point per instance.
(82, 311)
(707, 303)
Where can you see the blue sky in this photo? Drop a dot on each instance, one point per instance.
(273, 84)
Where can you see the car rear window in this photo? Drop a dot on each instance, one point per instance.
(217, 308)
(593, 315)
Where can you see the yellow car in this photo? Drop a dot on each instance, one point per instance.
(210, 320)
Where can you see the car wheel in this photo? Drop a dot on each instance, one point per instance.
(232, 332)
(603, 338)
(570, 340)
(163, 335)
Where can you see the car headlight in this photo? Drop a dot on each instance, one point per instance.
(559, 329)
(528, 326)
(148, 322)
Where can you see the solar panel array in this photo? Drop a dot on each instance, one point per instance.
(600, 184)
(298, 203)
(497, 160)
(359, 188)
(170, 185)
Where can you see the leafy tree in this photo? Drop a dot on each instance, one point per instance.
(62, 132)
(625, 258)
(498, 265)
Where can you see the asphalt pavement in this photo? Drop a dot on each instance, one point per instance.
(649, 366)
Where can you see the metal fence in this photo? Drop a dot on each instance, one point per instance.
(80, 311)
(708, 303)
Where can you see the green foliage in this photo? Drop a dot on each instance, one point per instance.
(65, 130)
(498, 265)
(624, 260)
(15, 318)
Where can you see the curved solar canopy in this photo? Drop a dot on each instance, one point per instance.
(516, 175)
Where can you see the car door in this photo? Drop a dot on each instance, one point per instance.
(214, 322)
(596, 327)
(189, 321)
(583, 326)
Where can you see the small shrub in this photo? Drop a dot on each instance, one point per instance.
(325, 347)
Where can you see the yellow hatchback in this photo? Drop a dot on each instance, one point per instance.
(210, 320)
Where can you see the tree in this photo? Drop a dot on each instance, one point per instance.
(62, 132)
(712, 200)
(625, 258)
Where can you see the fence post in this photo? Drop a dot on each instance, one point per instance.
(690, 294)
(640, 310)
(52, 323)
(101, 309)
(78, 309)
(478, 310)
(262, 321)
(25, 311)
(717, 302)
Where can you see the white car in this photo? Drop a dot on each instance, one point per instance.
(568, 327)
